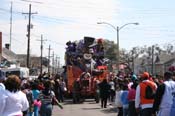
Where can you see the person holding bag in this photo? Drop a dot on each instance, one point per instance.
(46, 96)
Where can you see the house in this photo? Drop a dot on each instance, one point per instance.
(35, 63)
(159, 65)
(169, 63)
(8, 57)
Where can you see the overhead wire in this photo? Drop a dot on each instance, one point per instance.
(64, 6)
(52, 4)
(57, 20)
(48, 19)
(58, 5)
(14, 38)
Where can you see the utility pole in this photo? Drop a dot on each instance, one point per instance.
(41, 68)
(56, 64)
(152, 67)
(53, 63)
(41, 57)
(49, 59)
(133, 60)
(118, 49)
(28, 35)
(11, 25)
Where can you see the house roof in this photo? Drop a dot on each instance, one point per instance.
(171, 60)
(8, 55)
(163, 58)
(22, 58)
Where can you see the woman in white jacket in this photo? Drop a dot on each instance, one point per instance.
(13, 101)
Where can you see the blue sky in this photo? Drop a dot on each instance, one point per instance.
(62, 20)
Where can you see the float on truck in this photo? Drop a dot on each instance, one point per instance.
(85, 67)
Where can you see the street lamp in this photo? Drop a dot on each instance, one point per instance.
(117, 30)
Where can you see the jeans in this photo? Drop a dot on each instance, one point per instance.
(125, 111)
(30, 114)
(146, 112)
(36, 111)
(46, 110)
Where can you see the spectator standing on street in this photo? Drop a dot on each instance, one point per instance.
(164, 97)
(35, 93)
(112, 89)
(46, 97)
(131, 98)
(13, 101)
(104, 92)
(118, 100)
(26, 88)
(63, 89)
(124, 100)
(144, 100)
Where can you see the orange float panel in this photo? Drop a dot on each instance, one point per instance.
(73, 73)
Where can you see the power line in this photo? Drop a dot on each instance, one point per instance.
(21, 42)
(6, 10)
(56, 42)
(70, 4)
(31, 1)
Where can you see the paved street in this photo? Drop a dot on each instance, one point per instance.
(88, 108)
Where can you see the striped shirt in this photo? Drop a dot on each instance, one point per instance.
(46, 99)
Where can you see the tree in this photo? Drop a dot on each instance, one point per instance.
(168, 48)
(110, 52)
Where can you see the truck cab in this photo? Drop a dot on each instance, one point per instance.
(22, 72)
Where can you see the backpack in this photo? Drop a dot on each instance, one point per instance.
(149, 92)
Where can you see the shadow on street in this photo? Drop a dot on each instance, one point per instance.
(109, 110)
(90, 108)
(70, 102)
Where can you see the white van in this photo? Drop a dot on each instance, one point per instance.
(22, 72)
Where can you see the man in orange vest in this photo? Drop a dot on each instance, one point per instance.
(144, 95)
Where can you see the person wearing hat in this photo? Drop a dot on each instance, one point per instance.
(165, 97)
(143, 102)
(131, 95)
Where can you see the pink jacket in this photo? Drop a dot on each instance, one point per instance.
(131, 94)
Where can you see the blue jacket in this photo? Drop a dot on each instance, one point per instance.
(124, 97)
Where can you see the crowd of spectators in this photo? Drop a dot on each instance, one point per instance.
(23, 97)
(145, 95)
